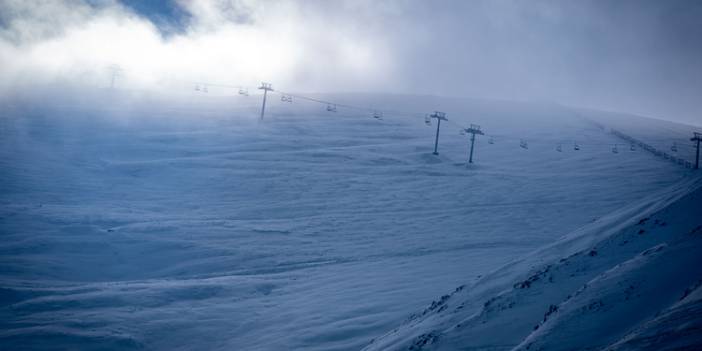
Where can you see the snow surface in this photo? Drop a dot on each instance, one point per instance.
(134, 222)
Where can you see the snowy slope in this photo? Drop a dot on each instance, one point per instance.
(671, 138)
(133, 220)
(586, 291)
(677, 327)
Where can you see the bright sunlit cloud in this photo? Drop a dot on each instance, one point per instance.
(241, 44)
(640, 57)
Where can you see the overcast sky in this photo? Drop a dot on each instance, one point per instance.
(642, 56)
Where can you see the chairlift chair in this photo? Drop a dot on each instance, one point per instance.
(615, 150)
(632, 148)
(204, 89)
(378, 115)
(576, 147)
(331, 108)
(197, 87)
(427, 120)
(559, 148)
(243, 91)
(491, 141)
(463, 132)
(674, 148)
(523, 144)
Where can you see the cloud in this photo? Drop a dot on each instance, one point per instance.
(235, 42)
(633, 56)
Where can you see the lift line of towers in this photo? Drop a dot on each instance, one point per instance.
(475, 129)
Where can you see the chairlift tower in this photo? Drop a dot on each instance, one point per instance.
(473, 130)
(439, 117)
(697, 138)
(266, 87)
(116, 71)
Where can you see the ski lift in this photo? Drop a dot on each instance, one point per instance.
(674, 148)
(378, 115)
(576, 147)
(427, 120)
(462, 132)
(286, 98)
(331, 108)
(632, 148)
(491, 141)
(559, 148)
(523, 144)
(243, 91)
(615, 150)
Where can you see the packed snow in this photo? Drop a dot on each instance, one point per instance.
(133, 220)
(587, 291)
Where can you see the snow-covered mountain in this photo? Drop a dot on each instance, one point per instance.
(629, 281)
(133, 220)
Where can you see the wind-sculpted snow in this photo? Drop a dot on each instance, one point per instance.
(585, 292)
(138, 222)
(675, 328)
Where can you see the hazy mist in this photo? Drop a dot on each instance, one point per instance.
(642, 57)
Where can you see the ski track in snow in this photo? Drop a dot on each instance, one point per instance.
(307, 231)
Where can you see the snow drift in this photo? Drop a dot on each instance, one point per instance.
(131, 220)
(626, 281)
